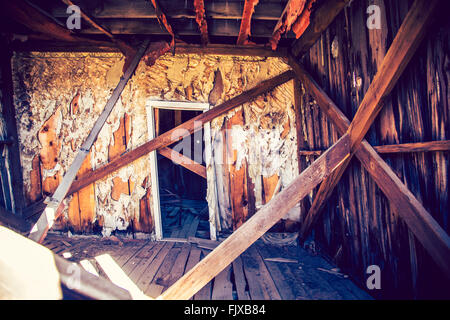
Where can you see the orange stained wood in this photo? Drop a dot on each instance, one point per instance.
(35, 190)
(270, 185)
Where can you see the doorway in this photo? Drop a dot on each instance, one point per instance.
(183, 190)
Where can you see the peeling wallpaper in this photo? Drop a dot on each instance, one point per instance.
(46, 84)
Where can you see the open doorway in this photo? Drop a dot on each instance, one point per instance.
(182, 205)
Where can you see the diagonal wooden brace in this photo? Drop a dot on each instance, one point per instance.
(259, 223)
(53, 208)
(421, 223)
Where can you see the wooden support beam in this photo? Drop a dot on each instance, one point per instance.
(188, 127)
(320, 19)
(427, 146)
(24, 13)
(163, 19)
(184, 161)
(291, 12)
(180, 48)
(234, 50)
(201, 20)
(403, 47)
(258, 224)
(127, 50)
(421, 223)
(53, 208)
(244, 31)
(139, 9)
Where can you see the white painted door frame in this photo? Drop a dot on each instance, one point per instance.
(210, 172)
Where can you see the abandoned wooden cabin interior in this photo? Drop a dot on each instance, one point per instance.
(224, 149)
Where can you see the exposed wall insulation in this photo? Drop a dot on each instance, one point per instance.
(66, 92)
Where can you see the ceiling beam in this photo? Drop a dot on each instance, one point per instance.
(22, 12)
(163, 19)
(421, 223)
(319, 21)
(244, 31)
(201, 20)
(290, 14)
(139, 9)
(54, 204)
(126, 49)
(183, 27)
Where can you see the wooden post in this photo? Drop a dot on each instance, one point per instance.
(8, 113)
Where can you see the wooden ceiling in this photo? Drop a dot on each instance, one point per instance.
(131, 20)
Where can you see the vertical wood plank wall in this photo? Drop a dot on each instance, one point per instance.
(358, 227)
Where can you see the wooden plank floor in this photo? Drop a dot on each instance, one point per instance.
(155, 265)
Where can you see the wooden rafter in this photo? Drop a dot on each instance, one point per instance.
(126, 49)
(291, 12)
(402, 200)
(420, 222)
(321, 18)
(54, 207)
(244, 31)
(258, 224)
(163, 19)
(201, 20)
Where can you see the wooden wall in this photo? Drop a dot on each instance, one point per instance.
(358, 227)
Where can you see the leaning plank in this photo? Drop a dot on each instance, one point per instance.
(244, 31)
(405, 43)
(187, 128)
(419, 221)
(184, 161)
(229, 50)
(259, 223)
(47, 219)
